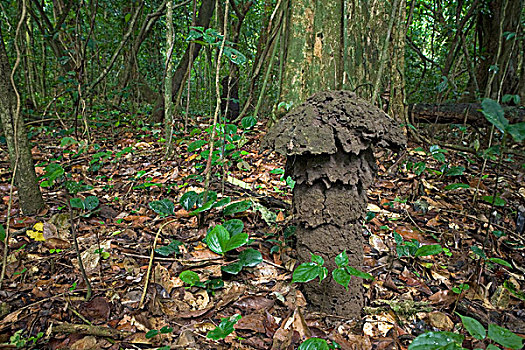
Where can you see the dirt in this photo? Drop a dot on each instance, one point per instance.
(328, 142)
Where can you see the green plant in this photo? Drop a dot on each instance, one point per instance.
(193, 280)
(461, 288)
(309, 271)
(413, 248)
(247, 258)
(53, 172)
(343, 273)
(172, 248)
(225, 328)
(223, 238)
(203, 201)
(19, 341)
(489, 261)
(88, 204)
(453, 341)
(317, 344)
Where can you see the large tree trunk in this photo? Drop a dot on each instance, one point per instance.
(498, 66)
(17, 143)
(203, 20)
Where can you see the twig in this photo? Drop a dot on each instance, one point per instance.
(150, 265)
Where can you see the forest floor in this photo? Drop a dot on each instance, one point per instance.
(425, 195)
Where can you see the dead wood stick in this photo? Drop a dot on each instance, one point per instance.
(99, 331)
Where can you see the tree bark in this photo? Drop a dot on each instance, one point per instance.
(20, 157)
(203, 20)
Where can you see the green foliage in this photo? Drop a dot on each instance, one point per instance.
(248, 258)
(309, 271)
(192, 199)
(53, 172)
(343, 273)
(494, 113)
(225, 328)
(461, 288)
(154, 332)
(89, 203)
(172, 248)
(237, 207)
(163, 207)
(413, 248)
(437, 341)
(191, 278)
(456, 186)
(314, 344)
(498, 202)
(2, 233)
(220, 240)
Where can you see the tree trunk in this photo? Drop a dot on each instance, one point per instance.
(203, 20)
(19, 150)
(498, 66)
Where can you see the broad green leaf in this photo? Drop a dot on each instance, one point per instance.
(164, 207)
(224, 328)
(491, 347)
(314, 344)
(456, 186)
(195, 145)
(222, 202)
(166, 329)
(250, 257)
(437, 341)
(355, 272)
(501, 262)
(91, 202)
(317, 259)
(517, 131)
(342, 277)
(306, 272)
(341, 259)
(478, 251)
(217, 239)
(2, 233)
(233, 268)
(248, 122)
(237, 207)
(189, 277)
(504, 337)
(499, 202)
(431, 249)
(151, 333)
(188, 200)
(234, 226)
(512, 289)
(236, 241)
(473, 326)
(77, 203)
(455, 171)
(171, 248)
(53, 171)
(206, 206)
(234, 55)
(494, 113)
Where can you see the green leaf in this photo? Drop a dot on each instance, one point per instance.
(494, 113)
(478, 251)
(127, 17)
(217, 239)
(431, 249)
(151, 333)
(233, 268)
(517, 131)
(456, 186)
(171, 248)
(236, 241)
(164, 207)
(234, 226)
(210, 196)
(2, 233)
(491, 347)
(77, 203)
(166, 329)
(188, 200)
(499, 202)
(437, 341)
(455, 171)
(342, 277)
(91, 202)
(306, 272)
(206, 206)
(189, 277)
(504, 337)
(501, 262)
(357, 273)
(234, 55)
(248, 122)
(222, 202)
(314, 344)
(53, 171)
(512, 289)
(195, 145)
(317, 259)
(341, 259)
(224, 328)
(250, 257)
(474, 327)
(237, 207)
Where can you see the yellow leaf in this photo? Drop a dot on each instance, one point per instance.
(36, 235)
(39, 226)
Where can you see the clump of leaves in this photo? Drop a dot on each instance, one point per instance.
(317, 344)
(343, 273)
(223, 238)
(309, 271)
(225, 328)
(414, 248)
(248, 258)
(203, 201)
(193, 280)
(172, 248)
